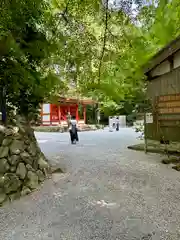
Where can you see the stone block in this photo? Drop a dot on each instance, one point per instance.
(7, 141)
(2, 180)
(35, 164)
(42, 163)
(16, 147)
(29, 168)
(4, 165)
(25, 191)
(32, 149)
(4, 151)
(41, 176)
(32, 180)
(11, 182)
(21, 171)
(14, 159)
(14, 196)
(3, 197)
(13, 169)
(26, 158)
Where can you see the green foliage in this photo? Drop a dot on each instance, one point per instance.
(88, 48)
(130, 43)
(25, 54)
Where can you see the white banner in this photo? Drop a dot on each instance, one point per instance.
(112, 123)
(149, 118)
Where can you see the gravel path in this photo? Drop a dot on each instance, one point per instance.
(107, 193)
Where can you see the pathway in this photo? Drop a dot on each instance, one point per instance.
(108, 193)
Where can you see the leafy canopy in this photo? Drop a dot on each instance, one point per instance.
(94, 48)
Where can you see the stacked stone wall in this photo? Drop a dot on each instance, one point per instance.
(22, 164)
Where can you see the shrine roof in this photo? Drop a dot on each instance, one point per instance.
(85, 101)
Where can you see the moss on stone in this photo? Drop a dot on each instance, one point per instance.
(176, 167)
(171, 160)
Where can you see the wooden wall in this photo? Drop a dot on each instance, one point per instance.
(165, 84)
(166, 116)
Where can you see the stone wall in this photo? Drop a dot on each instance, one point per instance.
(81, 128)
(22, 164)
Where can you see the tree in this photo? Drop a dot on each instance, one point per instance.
(130, 43)
(27, 78)
(107, 45)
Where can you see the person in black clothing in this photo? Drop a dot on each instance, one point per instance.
(117, 124)
(73, 130)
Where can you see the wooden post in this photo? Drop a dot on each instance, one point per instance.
(50, 114)
(84, 113)
(145, 133)
(59, 113)
(98, 114)
(77, 114)
(69, 109)
(42, 114)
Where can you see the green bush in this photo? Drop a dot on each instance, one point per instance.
(65, 128)
(50, 129)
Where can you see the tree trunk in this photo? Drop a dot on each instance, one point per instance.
(22, 164)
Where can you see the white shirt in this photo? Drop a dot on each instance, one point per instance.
(72, 122)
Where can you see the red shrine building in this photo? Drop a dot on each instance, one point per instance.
(56, 114)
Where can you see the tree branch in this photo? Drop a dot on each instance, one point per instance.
(104, 41)
(64, 13)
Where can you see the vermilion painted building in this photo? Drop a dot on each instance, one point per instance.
(56, 114)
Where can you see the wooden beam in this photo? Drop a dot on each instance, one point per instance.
(171, 62)
(77, 113)
(59, 113)
(84, 113)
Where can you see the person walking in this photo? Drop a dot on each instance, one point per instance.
(117, 123)
(73, 130)
(110, 124)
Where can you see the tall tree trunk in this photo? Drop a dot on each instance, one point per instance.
(22, 164)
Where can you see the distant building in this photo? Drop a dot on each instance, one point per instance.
(57, 114)
(163, 76)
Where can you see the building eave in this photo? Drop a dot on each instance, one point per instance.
(85, 101)
(162, 55)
